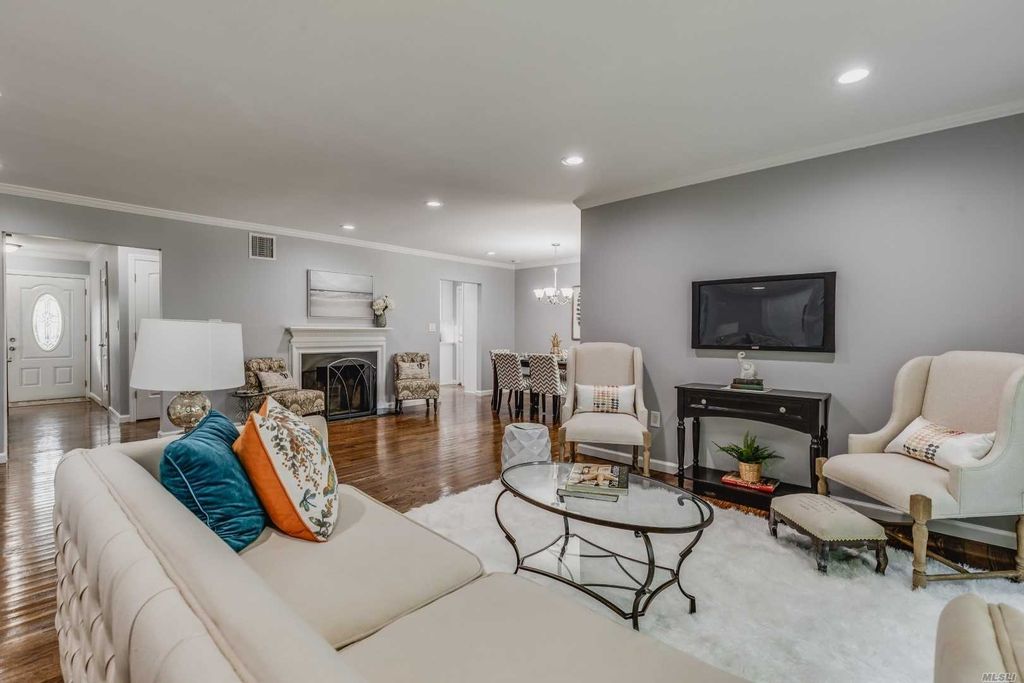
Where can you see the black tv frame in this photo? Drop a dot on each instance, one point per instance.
(829, 345)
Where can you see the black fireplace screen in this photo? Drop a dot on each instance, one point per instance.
(350, 387)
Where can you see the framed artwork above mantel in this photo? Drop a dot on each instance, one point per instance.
(339, 296)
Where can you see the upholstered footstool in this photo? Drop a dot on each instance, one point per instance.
(829, 524)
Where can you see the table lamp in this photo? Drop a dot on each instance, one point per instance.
(189, 357)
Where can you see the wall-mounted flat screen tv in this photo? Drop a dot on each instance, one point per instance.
(775, 313)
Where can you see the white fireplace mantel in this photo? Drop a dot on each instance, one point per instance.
(307, 339)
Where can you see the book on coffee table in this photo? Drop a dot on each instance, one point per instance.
(593, 478)
(766, 485)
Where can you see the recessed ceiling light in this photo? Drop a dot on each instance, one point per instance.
(573, 160)
(853, 75)
(348, 226)
(435, 203)
(491, 253)
(11, 247)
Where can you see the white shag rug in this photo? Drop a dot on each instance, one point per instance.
(763, 611)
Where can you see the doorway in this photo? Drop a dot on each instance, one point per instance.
(71, 311)
(459, 353)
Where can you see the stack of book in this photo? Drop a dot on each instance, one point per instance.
(747, 384)
(599, 482)
(766, 485)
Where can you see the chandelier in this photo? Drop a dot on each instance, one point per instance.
(554, 295)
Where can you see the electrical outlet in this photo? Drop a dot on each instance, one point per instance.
(431, 327)
(655, 418)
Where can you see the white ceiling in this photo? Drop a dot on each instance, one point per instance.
(320, 112)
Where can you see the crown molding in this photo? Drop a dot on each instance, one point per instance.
(569, 260)
(891, 135)
(110, 205)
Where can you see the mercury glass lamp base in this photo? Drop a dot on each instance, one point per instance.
(187, 408)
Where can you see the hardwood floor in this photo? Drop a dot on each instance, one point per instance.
(403, 460)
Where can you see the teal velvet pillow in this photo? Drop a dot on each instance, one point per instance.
(202, 472)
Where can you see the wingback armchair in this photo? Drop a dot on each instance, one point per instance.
(299, 401)
(972, 391)
(605, 363)
(412, 380)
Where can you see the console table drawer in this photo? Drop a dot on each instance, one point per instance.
(746, 404)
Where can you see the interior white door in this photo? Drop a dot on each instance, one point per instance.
(143, 302)
(46, 344)
(103, 336)
(470, 354)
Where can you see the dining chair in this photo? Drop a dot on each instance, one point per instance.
(494, 378)
(509, 370)
(545, 380)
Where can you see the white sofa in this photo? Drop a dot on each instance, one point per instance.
(147, 593)
(975, 638)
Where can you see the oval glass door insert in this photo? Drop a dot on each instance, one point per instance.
(47, 322)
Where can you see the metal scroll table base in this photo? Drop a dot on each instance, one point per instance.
(642, 578)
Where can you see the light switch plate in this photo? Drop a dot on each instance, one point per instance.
(431, 327)
(655, 418)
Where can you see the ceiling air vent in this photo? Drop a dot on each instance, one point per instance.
(262, 246)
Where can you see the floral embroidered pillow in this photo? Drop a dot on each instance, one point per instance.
(291, 471)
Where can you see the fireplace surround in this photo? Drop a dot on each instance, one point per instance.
(365, 344)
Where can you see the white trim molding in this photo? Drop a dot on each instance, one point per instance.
(306, 339)
(3, 457)
(248, 226)
(118, 417)
(625, 458)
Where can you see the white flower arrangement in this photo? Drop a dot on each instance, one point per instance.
(382, 304)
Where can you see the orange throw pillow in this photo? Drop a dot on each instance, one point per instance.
(291, 471)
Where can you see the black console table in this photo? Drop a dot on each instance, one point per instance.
(802, 411)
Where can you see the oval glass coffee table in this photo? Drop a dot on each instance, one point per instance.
(624, 584)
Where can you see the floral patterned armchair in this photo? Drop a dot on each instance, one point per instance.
(299, 401)
(412, 380)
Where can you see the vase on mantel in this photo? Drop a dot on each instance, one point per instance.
(380, 320)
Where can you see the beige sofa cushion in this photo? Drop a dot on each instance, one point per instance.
(613, 428)
(892, 479)
(377, 566)
(503, 628)
(974, 638)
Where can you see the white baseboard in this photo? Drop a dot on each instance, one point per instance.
(3, 458)
(477, 392)
(618, 456)
(118, 417)
(95, 399)
(161, 433)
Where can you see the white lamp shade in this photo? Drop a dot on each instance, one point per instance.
(188, 355)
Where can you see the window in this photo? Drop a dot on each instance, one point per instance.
(47, 322)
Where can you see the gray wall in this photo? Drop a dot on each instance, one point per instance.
(207, 274)
(536, 321)
(926, 234)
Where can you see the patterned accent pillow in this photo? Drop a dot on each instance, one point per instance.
(276, 381)
(413, 370)
(291, 470)
(606, 398)
(940, 445)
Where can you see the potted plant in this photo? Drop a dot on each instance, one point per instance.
(750, 456)
(380, 307)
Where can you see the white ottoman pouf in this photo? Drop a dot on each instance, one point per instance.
(525, 442)
(829, 524)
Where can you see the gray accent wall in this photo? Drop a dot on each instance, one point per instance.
(536, 321)
(926, 235)
(207, 273)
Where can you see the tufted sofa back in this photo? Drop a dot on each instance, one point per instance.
(148, 594)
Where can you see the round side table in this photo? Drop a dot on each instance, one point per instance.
(525, 442)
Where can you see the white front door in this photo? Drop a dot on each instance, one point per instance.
(144, 302)
(46, 344)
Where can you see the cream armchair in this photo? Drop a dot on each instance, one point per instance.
(606, 363)
(975, 391)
